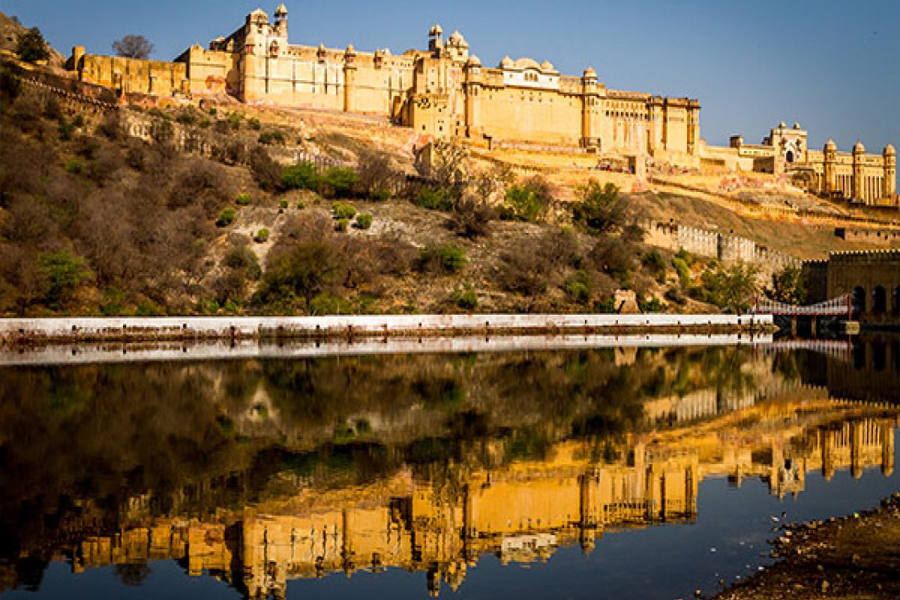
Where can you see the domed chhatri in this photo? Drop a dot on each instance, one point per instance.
(457, 39)
(590, 73)
(858, 148)
(830, 145)
(473, 61)
(889, 150)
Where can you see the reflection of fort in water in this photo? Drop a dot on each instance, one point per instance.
(520, 512)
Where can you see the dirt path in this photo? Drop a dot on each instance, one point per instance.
(856, 557)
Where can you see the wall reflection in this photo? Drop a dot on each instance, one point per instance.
(482, 482)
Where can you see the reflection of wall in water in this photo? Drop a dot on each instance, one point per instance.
(872, 374)
(520, 512)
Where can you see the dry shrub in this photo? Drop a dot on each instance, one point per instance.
(266, 171)
(533, 266)
(202, 183)
(378, 179)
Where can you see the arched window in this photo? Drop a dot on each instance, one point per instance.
(858, 300)
(879, 356)
(879, 300)
(859, 356)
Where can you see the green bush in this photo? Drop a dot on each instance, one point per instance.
(433, 199)
(363, 221)
(340, 181)
(254, 124)
(283, 204)
(605, 306)
(65, 130)
(186, 118)
(31, 46)
(301, 205)
(731, 288)
(789, 285)
(243, 199)
(74, 166)
(234, 121)
(148, 309)
(205, 123)
(380, 195)
(684, 272)
(342, 225)
(244, 259)
(651, 305)
(262, 236)
(302, 176)
(448, 258)
(300, 272)
(113, 302)
(61, 274)
(527, 202)
(226, 217)
(329, 304)
(600, 209)
(655, 264)
(269, 138)
(342, 211)
(578, 287)
(465, 296)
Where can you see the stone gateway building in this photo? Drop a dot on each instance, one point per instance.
(445, 91)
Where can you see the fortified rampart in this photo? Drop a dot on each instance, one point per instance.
(727, 248)
(872, 277)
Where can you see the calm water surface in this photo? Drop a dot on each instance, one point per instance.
(598, 473)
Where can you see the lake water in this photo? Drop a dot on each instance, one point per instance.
(614, 472)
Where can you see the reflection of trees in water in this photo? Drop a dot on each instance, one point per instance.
(181, 435)
(133, 574)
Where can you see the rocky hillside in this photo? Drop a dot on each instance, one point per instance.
(11, 29)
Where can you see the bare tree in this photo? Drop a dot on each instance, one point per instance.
(133, 46)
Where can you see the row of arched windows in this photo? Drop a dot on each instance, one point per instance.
(879, 300)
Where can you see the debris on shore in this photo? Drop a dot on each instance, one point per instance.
(857, 556)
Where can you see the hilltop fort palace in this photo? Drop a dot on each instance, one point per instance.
(445, 91)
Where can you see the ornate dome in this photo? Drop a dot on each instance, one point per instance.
(796, 125)
(281, 11)
(507, 63)
(889, 150)
(457, 39)
(473, 61)
(546, 66)
(830, 145)
(590, 73)
(527, 63)
(435, 30)
(782, 125)
(858, 148)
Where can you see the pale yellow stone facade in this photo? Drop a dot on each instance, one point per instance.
(445, 91)
(856, 176)
(442, 91)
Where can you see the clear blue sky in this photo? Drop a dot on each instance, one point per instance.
(832, 65)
